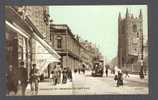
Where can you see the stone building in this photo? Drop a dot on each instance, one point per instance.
(67, 46)
(86, 55)
(17, 39)
(89, 52)
(130, 41)
(39, 15)
(24, 42)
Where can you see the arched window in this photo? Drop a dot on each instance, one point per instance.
(134, 28)
(59, 41)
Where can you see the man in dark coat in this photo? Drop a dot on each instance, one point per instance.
(64, 79)
(119, 79)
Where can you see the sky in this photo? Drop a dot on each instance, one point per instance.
(97, 24)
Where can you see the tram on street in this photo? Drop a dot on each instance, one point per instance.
(98, 68)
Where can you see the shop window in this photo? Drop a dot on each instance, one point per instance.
(137, 35)
(59, 42)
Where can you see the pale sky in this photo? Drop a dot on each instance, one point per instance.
(97, 24)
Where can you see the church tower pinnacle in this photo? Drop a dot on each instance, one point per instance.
(119, 17)
(127, 13)
(140, 14)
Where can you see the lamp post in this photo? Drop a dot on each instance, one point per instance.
(142, 62)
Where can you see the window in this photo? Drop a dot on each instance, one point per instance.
(134, 28)
(59, 42)
(137, 35)
(123, 60)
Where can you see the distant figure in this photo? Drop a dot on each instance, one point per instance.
(119, 79)
(79, 70)
(64, 79)
(54, 76)
(69, 73)
(34, 79)
(141, 74)
(106, 71)
(75, 70)
(58, 73)
(126, 73)
(83, 68)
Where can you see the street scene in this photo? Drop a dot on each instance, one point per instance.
(76, 50)
(85, 84)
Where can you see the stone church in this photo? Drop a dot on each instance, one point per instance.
(130, 42)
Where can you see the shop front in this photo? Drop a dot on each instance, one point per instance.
(44, 55)
(18, 47)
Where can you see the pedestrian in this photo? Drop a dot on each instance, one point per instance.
(58, 73)
(34, 79)
(141, 74)
(113, 71)
(119, 79)
(83, 68)
(106, 71)
(79, 70)
(127, 75)
(64, 78)
(115, 77)
(12, 81)
(75, 70)
(107, 68)
(69, 73)
(53, 77)
(22, 79)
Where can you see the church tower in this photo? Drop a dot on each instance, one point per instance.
(130, 41)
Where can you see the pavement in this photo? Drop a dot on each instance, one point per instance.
(85, 84)
(48, 88)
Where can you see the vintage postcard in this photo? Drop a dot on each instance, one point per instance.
(76, 50)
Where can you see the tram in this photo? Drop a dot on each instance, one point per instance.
(98, 68)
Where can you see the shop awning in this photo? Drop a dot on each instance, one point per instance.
(15, 29)
(44, 54)
(47, 46)
(37, 35)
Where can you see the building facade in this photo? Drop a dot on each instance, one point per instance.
(88, 53)
(39, 16)
(130, 42)
(67, 46)
(24, 43)
(18, 40)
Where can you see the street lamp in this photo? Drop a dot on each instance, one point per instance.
(142, 62)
